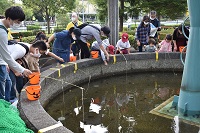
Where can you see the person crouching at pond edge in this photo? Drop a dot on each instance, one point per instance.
(151, 47)
(123, 45)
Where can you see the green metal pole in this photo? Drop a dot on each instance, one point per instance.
(189, 98)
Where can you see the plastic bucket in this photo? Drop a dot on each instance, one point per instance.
(34, 78)
(95, 54)
(72, 58)
(33, 92)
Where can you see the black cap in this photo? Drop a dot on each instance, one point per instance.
(106, 30)
(77, 33)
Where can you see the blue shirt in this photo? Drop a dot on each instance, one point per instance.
(143, 33)
(61, 45)
(63, 40)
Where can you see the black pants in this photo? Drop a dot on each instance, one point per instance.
(85, 53)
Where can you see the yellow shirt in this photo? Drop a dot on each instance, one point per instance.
(10, 37)
(72, 25)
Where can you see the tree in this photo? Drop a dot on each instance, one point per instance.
(171, 9)
(4, 5)
(28, 12)
(102, 9)
(48, 8)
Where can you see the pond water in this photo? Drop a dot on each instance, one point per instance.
(119, 104)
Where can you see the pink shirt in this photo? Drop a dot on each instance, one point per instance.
(165, 46)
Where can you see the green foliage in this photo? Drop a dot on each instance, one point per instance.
(59, 29)
(48, 8)
(172, 9)
(23, 34)
(28, 12)
(29, 39)
(62, 20)
(4, 5)
(26, 34)
(37, 30)
(102, 9)
(33, 27)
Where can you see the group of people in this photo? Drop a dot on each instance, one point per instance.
(19, 59)
(147, 36)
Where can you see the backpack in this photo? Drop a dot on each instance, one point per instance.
(86, 24)
(2, 27)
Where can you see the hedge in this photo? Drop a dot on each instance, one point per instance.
(58, 29)
(33, 27)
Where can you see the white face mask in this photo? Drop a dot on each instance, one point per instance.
(73, 19)
(15, 26)
(146, 23)
(152, 18)
(73, 37)
(36, 53)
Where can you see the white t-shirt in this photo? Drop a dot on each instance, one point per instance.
(122, 45)
(105, 44)
(17, 51)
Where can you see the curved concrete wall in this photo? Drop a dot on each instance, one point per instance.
(33, 113)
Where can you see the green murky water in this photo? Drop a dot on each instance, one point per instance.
(119, 104)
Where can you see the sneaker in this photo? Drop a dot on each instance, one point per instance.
(13, 100)
(15, 103)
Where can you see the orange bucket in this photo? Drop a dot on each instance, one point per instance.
(95, 54)
(33, 92)
(181, 49)
(34, 78)
(72, 58)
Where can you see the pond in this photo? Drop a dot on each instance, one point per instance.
(119, 104)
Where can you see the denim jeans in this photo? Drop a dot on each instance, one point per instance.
(5, 83)
(17, 82)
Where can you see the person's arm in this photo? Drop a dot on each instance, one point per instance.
(50, 39)
(55, 56)
(137, 36)
(105, 52)
(7, 57)
(175, 46)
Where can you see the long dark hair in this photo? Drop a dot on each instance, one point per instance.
(180, 28)
(40, 35)
(144, 18)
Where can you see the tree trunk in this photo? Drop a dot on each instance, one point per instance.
(121, 15)
(48, 25)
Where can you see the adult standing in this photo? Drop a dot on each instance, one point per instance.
(14, 16)
(63, 41)
(74, 23)
(179, 39)
(143, 32)
(88, 33)
(156, 23)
